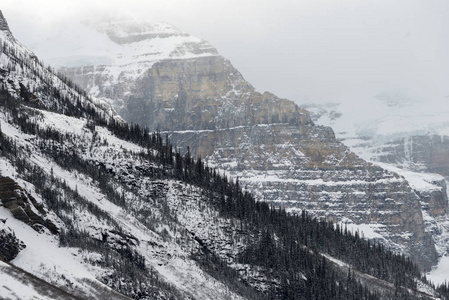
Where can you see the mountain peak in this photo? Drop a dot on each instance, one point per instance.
(123, 31)
(4, 25)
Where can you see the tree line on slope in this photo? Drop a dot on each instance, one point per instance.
(294, 242)
(130, 275)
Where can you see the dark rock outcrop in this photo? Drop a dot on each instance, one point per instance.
(10, 246)
(23, 206)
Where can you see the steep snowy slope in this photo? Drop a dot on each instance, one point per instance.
(16, 284)
(73, 203)
(99, 207)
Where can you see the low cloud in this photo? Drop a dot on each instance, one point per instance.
(301, 50)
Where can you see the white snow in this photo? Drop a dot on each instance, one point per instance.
(264, 177)
(440, 274)
(387, 116)
(370, 122)
(62, 123)
(368, 231)
(53, 260)
(86, 44)
(64, 266)
(15, 289)
(418, 181)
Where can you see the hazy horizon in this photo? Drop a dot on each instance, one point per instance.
(306, 51)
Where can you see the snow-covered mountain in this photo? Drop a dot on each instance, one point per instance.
(94, 208)
(405, 134)
(121, 51)
(367, 124)
(205, 105)
(54, 153)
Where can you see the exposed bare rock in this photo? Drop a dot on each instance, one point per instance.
(23, 206)
(428, 153)
(10, 245)
(270, 144)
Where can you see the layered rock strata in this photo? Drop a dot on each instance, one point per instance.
(203, 103)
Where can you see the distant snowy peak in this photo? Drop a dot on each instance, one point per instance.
(391, 116)
(128, 31)
(152, 40)
(124, 42)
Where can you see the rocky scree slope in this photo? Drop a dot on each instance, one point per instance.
(204, 104)
(100, 209)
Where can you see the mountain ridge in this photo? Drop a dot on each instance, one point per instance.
(205, 105)
(135, 215)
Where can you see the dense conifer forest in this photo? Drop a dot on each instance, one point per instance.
(292, 251)
(290, 248)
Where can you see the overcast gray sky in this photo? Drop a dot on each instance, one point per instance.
(320, 50)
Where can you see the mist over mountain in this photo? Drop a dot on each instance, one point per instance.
(204, 104)
(100, 208)
(403, 133)
(320, 50)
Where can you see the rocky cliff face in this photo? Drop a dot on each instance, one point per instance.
(272, 146)
(205, 93)
(134, 216)
(23, 206)
(407, 136)
(428, 153)
(304, 167)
